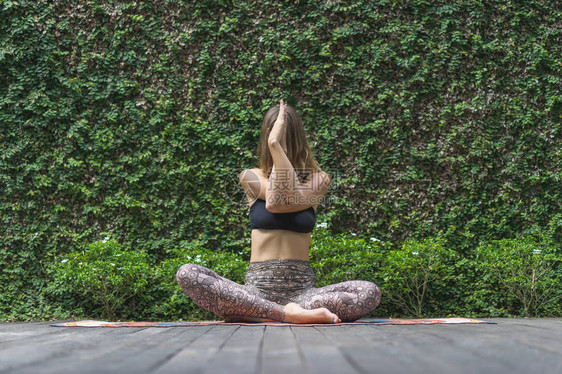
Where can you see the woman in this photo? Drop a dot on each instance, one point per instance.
(283, 198)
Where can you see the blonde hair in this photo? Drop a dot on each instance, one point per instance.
(299, 152)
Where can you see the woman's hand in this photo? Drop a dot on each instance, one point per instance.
(277, 134)
(282, 113)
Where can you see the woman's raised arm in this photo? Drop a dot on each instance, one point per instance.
(284, 192)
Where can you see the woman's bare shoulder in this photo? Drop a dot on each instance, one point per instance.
(254, 184)
(250, 173)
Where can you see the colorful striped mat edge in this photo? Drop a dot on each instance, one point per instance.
(424, 321)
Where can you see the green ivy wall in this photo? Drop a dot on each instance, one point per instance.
(132, 119)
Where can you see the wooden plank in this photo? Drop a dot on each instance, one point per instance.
(492, 348)
(553, 325)
(30, 349)
(362, 353)
(92, 350)
(280, 353)
(196, 356)
(413, 350)
(416, 349)
(240, 353)
(540, 340)
(541, 333)
(143, 355)
(520, 349)
(321, 356)
(368, 353)
(11, 334)
(512, 346)
(7, 326)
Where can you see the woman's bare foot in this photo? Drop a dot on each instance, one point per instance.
(295, 314)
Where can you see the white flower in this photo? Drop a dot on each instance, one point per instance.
(354, 234)
(415, 253)
(375, 240)
(323, 224)
(105, 239)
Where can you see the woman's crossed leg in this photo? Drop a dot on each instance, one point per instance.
(235, 302)
(350, 300)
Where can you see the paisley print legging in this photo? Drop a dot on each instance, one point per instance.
(269, 285)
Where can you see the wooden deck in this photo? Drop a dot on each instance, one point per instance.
(528, 346)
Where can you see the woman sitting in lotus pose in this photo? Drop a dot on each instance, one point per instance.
(283, 195)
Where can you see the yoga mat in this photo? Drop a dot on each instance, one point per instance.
(425, 321)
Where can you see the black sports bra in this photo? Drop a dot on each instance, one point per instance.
(261, 218)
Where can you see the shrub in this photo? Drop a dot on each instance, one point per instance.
(105, 280)
(477, 293)
(101, 278)
(411, 273)
(167, 300)
(343, 257)
(527, 267)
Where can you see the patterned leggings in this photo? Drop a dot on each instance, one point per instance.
(270, 285)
